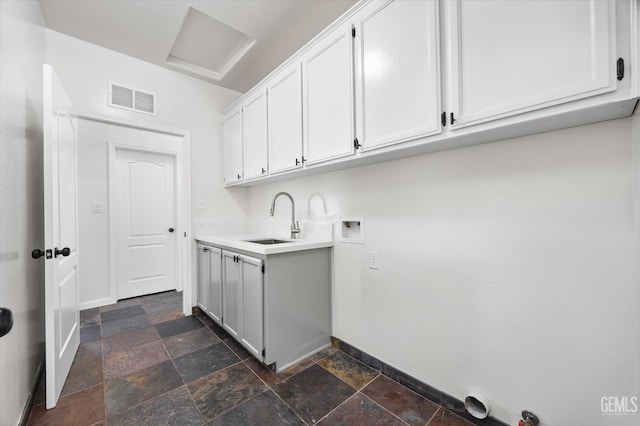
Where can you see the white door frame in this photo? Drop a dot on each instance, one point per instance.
(183, 215)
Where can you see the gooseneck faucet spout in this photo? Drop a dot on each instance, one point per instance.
(295, 228)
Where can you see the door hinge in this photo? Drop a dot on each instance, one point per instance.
(620, 68)
(443, 118)
(353, 31)
(264, 352)
(263, 269)
(452, 120)
(356, 144)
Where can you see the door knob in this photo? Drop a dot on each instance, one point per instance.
(64, 252)
(6, 321)
(37, 254)
(170, 229)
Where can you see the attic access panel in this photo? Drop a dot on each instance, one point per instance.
(207, 46)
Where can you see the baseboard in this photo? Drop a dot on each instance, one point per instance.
(24, 418)
(447, 401)
(96, 303)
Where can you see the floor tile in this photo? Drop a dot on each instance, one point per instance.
(120, 305)
(124, 325)
(83, 375)
(204, 361)
(223, 390)
(306, 363)
(219, 331)
(348, 369)
(267, 376)
(120, 314)
(89, 351)
(81, 408)
(165, 315)
(264, 409)
(125, 341)
(184, 343)
(181, 325)
(172, 408)
(125, 392)
(90, 317)
(445, 417)
(360, 410)
(401, 401)
(161, 302)
(90, 333)
(313, 393)
(237, 348)
(137, 358)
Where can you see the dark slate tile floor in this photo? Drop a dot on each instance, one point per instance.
(141, 362)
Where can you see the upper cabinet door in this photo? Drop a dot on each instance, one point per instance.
(284, 98)
(397, 72)
(233, 147)
(254, 131)
(327, 81)
(510, 57)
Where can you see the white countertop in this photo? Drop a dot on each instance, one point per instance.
(237, 242)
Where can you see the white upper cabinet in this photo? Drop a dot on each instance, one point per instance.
(284, 97)
(254, 131)
(327, 81)
(510, 57)
(233, 147)
(397, 72)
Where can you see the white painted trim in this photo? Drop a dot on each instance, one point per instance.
(96, 303)
(302, 358)
(125, 123)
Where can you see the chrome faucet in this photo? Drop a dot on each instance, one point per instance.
(295, 228)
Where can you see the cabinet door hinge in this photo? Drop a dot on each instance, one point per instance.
(264, 352)
(452, 120)
(353, 31)
(356, 144)
(443, 118)
(620, 68)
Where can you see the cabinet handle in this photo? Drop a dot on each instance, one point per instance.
(263, 171)
(297, 161)
(304, 160)
(239, 177)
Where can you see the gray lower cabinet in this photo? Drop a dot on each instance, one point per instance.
(276, 306)
(210, 281)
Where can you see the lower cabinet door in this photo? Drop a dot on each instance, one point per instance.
(215, 284)
(231, 308)
(203, 278)
(252, 330)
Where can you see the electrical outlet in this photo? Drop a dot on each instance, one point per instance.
(373, 260)
(98, 207)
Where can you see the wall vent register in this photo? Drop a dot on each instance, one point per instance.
(131, 99)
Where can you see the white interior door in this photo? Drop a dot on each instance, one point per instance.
(62, 318)
(146, 225)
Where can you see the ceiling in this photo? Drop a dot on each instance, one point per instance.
(231, 43)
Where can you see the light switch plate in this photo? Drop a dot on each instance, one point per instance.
(374, 262)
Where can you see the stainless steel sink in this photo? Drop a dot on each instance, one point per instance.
(267, 241)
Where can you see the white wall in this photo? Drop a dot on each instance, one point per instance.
(183, 102)
(22, 50)
(506, 268)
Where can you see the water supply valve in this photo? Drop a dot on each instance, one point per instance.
(528, 419)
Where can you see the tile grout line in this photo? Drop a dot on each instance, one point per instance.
(270, 388)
